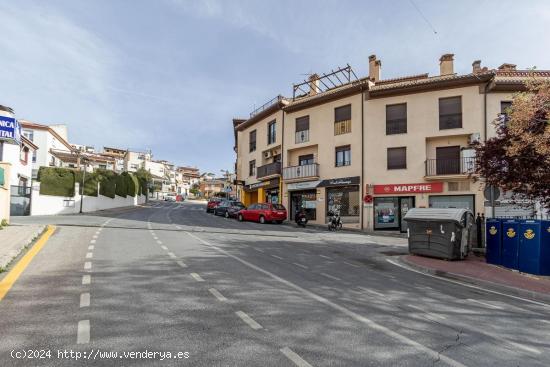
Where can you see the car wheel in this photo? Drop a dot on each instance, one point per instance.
(241, 218)
(226, 214)
(262, 219)
(279, 222)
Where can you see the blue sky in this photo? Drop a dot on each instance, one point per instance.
(169, 75)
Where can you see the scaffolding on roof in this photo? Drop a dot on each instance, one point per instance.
(319, 84)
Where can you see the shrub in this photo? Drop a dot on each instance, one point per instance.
(121, 185)
(132, 184)
(107, 183)
(90, 182)
(4, 223)
(56, 181)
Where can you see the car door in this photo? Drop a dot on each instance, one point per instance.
(248, 213)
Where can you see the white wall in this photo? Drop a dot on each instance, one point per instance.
(51, 205)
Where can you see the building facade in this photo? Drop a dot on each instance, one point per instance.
(372, 148)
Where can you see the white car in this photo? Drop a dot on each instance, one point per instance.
(170, 198)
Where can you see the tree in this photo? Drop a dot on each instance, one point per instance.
(518, 158)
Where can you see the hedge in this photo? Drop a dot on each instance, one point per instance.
(132, 184)
(107, 183)
(56, 181)
(121, 185)
(90, 182)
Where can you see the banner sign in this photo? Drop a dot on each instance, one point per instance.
(417, 188)
(10, 130)
(340, 181)
(302, 185)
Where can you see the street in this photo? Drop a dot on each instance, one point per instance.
(168, 277)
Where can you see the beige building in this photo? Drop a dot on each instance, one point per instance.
(370, 148)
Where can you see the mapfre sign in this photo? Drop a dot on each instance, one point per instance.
(418, 188)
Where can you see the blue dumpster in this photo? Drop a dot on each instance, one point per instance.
(510, 243)
(493, 232)
(545, 247)
(529, 247)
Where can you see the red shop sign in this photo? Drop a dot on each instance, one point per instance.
(416, 188)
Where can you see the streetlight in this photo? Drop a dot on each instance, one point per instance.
(83, 160)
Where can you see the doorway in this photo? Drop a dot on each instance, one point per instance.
(390, 211)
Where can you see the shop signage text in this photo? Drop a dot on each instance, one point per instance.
(10, 130)
(302, 185)
(340, 181)
(408, 188)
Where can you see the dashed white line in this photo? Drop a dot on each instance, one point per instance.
(277, 257)
(85, 300)
(164, 248)
(91, 247)
(83, 333)
(298, 361)
(325, 257)
(426, 313)
(92, 241)
(485, 304)
(181, 263)
(86, 279)
(89, 255)
(87, 265)
(159, 242)
(197, 277)
(330, 276)
(172, 255)
(248, 320)
(301, 266)
(258, 249)
(372, 292)
(350, 264)
(94, 236)
(217, 294)
(155, 238)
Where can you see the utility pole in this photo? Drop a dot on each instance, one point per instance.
(82, 183)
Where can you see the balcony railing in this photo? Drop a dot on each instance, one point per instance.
(342, 127)
(302, 136)
(305, 171)
(268, 170)
(455, 166)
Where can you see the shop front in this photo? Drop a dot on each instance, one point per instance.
(272, 191)
(393, 201)
(261, 192)
(343, 197)
(303, 195)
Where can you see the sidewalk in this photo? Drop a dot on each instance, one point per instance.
(475, 270)
(14, 238)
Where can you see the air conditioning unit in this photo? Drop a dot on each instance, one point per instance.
(474, 138)
(267, 154)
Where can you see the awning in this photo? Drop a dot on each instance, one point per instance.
(344, 181)
(302, 185)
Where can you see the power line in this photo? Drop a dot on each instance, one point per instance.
(423, 17)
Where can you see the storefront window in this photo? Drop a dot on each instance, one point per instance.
(386, 212)
(344, 200)
(306, 200)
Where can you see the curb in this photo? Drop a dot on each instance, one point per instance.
(26, 243)
(518, 292)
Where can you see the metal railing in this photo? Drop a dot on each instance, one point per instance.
(268, 170)
(266, 105)
(301, 136)
(307, 170)
(342, 127)
(454, 166)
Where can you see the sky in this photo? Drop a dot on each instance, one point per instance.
(170, 75)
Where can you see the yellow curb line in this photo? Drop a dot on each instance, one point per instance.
(10, 279)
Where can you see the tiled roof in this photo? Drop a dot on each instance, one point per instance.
(402, 79)
(34, 125)
(431, 80)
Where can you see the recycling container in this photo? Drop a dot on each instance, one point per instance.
(545, 247)
(442, 233)
(493, 233)
(510, 243)
(529, 260)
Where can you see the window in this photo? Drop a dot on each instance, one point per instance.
(504, 106)
(252, 168)
(396, 119)
(342, 120)
(34, 156)
(450, 113)
(24, 155)
(271, 132)
(29, 134)
(1, 151)
(397, 158)
(447, 160)
(305, 159)
(252, 141)
(343, 156)
(302, 129)
(344, 200)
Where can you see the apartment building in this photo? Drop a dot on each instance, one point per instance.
(373, 148)
(118, 155)
(135, 160)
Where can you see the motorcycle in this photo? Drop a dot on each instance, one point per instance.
(334, 221)
(300, 218)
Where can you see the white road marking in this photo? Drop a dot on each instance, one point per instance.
(172, 255)
(85, 300)
(87, 265)
(91, 247)
(258, 249)
(277, 257)
(300, 265)
(217, 294)
(89, 255)
(298, 361)
(248, 320)
(484, 304)
(181, 263)
(156, 238)
(164, 248)
(83, 333)
(326, 257)
(350, 264)
(86, 279)
(159, 242)
(99, 230)
(92, 241)
(357, 317)
(426, 313)
(372, 292)
(94, 236)
(197, 277)
(330, 276)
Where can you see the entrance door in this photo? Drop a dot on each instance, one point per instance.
(447, 160)
(405, 203)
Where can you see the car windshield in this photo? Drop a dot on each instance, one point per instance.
(237, 204)
(278, 207)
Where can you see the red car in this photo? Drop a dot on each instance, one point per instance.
(263, 213)
(212, 204)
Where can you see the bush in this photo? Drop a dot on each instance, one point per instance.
(121, 185)
(90, 182)
(4, 223)
(132, 184)
(107, 183)
(143, 186)
(56, 181)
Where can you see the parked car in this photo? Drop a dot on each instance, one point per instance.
(212, 204)
(170, 197)
(263, 213)
(229, 208)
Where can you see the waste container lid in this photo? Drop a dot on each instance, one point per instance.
(435, 214)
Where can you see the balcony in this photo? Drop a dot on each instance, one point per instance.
(268, 170)
(450, 167)
(300, 172)
(302, 136)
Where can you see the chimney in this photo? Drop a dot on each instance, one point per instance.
(446, 64)
(507, 67)
(314, 84)
(374, 68)
(476, 67)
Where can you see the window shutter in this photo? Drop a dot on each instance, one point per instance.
(302, 123)
(342, 113)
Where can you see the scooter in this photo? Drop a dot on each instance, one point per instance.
(301, 219)
(334, 221)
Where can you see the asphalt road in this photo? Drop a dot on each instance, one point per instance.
(169, 278)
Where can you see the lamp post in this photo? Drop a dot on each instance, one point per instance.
(83, 160)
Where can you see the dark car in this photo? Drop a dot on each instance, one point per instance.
(229, 208)
(212, 204)
(263, 213)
